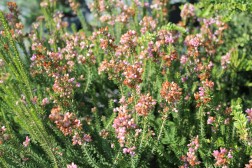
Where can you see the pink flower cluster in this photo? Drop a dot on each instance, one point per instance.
(45, 101)
(128, 43)
(171, 92)
(69, 125)
(225, 60)
(123, 123)
(124, 11)
(187, 11)
(72, 165)
(117, 69)
(210, 35)
(249, 115)
(147, 24)
(222, 157)
(130, 151)
(27, 141)
(65, 122)
(144, 105)
(249, 165)
(14, 22)
(165, 37)
(113, 68)
(210, 120)
(76, 139)
(63, 86)
(193, 42)
(203, 95)
(191, 157)
(133, 74)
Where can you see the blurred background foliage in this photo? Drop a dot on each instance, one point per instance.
(29, 10)
(239, 35)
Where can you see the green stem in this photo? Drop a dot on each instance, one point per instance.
(89, 158)
(115, 161)
(160, 132)
(144, 130)
(201, 115)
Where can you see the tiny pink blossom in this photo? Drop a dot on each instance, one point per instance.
(3, 129)
(210, 120)
(45, 101)
(78, 84)
(27, 141)
(33, 58)
(222, 157)
(183, 59)
(249, 114)
(72, 165)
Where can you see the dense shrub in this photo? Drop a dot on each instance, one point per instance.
(129, 88)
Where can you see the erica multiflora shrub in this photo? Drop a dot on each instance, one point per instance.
(128, 89)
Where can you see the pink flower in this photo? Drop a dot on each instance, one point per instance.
(87, 138)
(201, 91)
(72, 165)
(226, 121)
(195, 42)
(222, 157)
(78, 84)
(225, 60)
(187, 11)
(249, 165)
(145, 105)
(249, 114)
(76, 139)
(210, 120)
(183, 59)
(215, 153)
(191, 157)
(129, 151)
(27, 141)
(229, 154)
(33, 58)
(3, 129)
(45, 101)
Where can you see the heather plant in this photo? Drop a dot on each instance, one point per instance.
(128, 89)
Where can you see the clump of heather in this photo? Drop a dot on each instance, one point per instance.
(126, 89)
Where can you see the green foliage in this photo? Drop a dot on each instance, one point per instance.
(240, 120)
